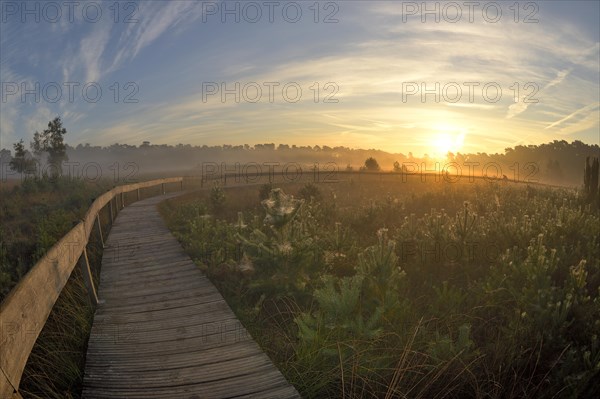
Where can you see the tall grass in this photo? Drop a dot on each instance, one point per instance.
(55, 367)
(352, 297)
(35, 215)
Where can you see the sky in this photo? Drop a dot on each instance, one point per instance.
(398, 76)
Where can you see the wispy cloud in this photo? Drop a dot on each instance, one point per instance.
(523, 103)
(582, 113)
(156, 18)
(91, 51)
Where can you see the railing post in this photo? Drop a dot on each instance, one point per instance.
(138, 194)
(87, 277)
(112, 217)
(100, 229)
(163, 188)
(181, 185)
(122, 200)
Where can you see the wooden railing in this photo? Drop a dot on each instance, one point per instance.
(25, 311)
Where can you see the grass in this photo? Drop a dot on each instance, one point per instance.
(351, 298)
(55, 367)
(380, 288)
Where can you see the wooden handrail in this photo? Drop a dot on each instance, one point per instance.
(25, 310)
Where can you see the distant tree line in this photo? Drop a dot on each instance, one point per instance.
(557, 162)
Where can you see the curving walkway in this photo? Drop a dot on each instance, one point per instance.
(162, 330)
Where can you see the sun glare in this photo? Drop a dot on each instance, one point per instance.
(447, 139)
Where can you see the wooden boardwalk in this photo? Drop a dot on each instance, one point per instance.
(162, 330)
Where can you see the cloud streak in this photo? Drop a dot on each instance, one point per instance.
(523, 103)
(585, 111)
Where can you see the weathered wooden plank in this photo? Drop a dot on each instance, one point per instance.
(150, 288)
(194, 357)
(135, 296)
(155, 281)
(114, 302)
(191, 374)
(113, 355)
(170, 305)
(250, 384)
(164, 300)
(164, 314)
(162, 329)
(207, 323)
(114, 275)
(222, 330)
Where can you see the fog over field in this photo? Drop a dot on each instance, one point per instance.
(557, 163)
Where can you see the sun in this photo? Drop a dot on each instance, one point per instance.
(446, 139)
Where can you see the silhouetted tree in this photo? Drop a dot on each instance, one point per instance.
(20, 162)
(371, 164)
(51, 140)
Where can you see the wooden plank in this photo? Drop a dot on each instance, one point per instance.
(246, 383)
(177, 360)
(193, 347)
(213, 321)
(162, 329)
(206, 325)
(170, 294)
(191, 373)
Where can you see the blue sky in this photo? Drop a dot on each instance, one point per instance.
(371, 62)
